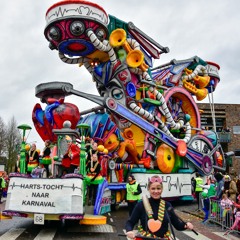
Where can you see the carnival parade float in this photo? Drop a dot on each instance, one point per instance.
(146, 120)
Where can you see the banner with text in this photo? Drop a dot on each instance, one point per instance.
(49, 196)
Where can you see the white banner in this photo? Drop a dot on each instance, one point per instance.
(48, 196)
(174, 185)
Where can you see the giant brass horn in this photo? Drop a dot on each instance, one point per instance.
(201, 81)
(135, 58)
(199, 93)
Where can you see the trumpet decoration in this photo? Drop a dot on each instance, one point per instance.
(135, 58)
(195, 83)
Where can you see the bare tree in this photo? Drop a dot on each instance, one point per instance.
(13, 141)
(2, 137)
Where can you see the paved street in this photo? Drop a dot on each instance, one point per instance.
(21, 229)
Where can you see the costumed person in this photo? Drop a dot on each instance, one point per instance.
(71, 159)
(33, 161)
(2, 186)
(208, 193)
(93, 149)
(46, 156)
(93, 178)
(17, 164)
(155, 215)
(133, 193)
(230, 188)
(198, 188)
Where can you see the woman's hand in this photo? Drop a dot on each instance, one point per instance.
(189, 226)
(131, 234)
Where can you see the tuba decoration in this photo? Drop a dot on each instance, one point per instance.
(135, 58)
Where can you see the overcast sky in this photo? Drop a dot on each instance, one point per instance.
(206, 28)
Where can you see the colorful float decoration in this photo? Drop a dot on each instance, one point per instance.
(157, 103)
(147, 121)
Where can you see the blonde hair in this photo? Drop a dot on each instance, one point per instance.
(224, 195)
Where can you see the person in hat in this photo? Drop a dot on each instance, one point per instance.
(133, 193)
(155, 214)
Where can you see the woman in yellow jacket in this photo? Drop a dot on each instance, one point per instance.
(133, 193)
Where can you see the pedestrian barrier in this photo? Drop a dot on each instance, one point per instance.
(228, 217)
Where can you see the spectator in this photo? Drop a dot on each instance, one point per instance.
(220, 185)
(230, 188)
(208, 192)
(226, 205)
(236, 214)
(2, 186)
(133, 193)
(193, 186)
(238, 185)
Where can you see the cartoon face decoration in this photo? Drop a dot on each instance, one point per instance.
(116, 82)
(68, 23)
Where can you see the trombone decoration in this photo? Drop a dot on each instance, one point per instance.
(157, 104)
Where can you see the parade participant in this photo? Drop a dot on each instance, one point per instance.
(2, 186)
(46, 158)
(93, 149)
(71, 158)
(198, 188)
(17, 164)
(33, 161)
(133, 193)
(93, 178)
(155, 214)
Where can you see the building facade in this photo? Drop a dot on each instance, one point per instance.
(227, 125)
